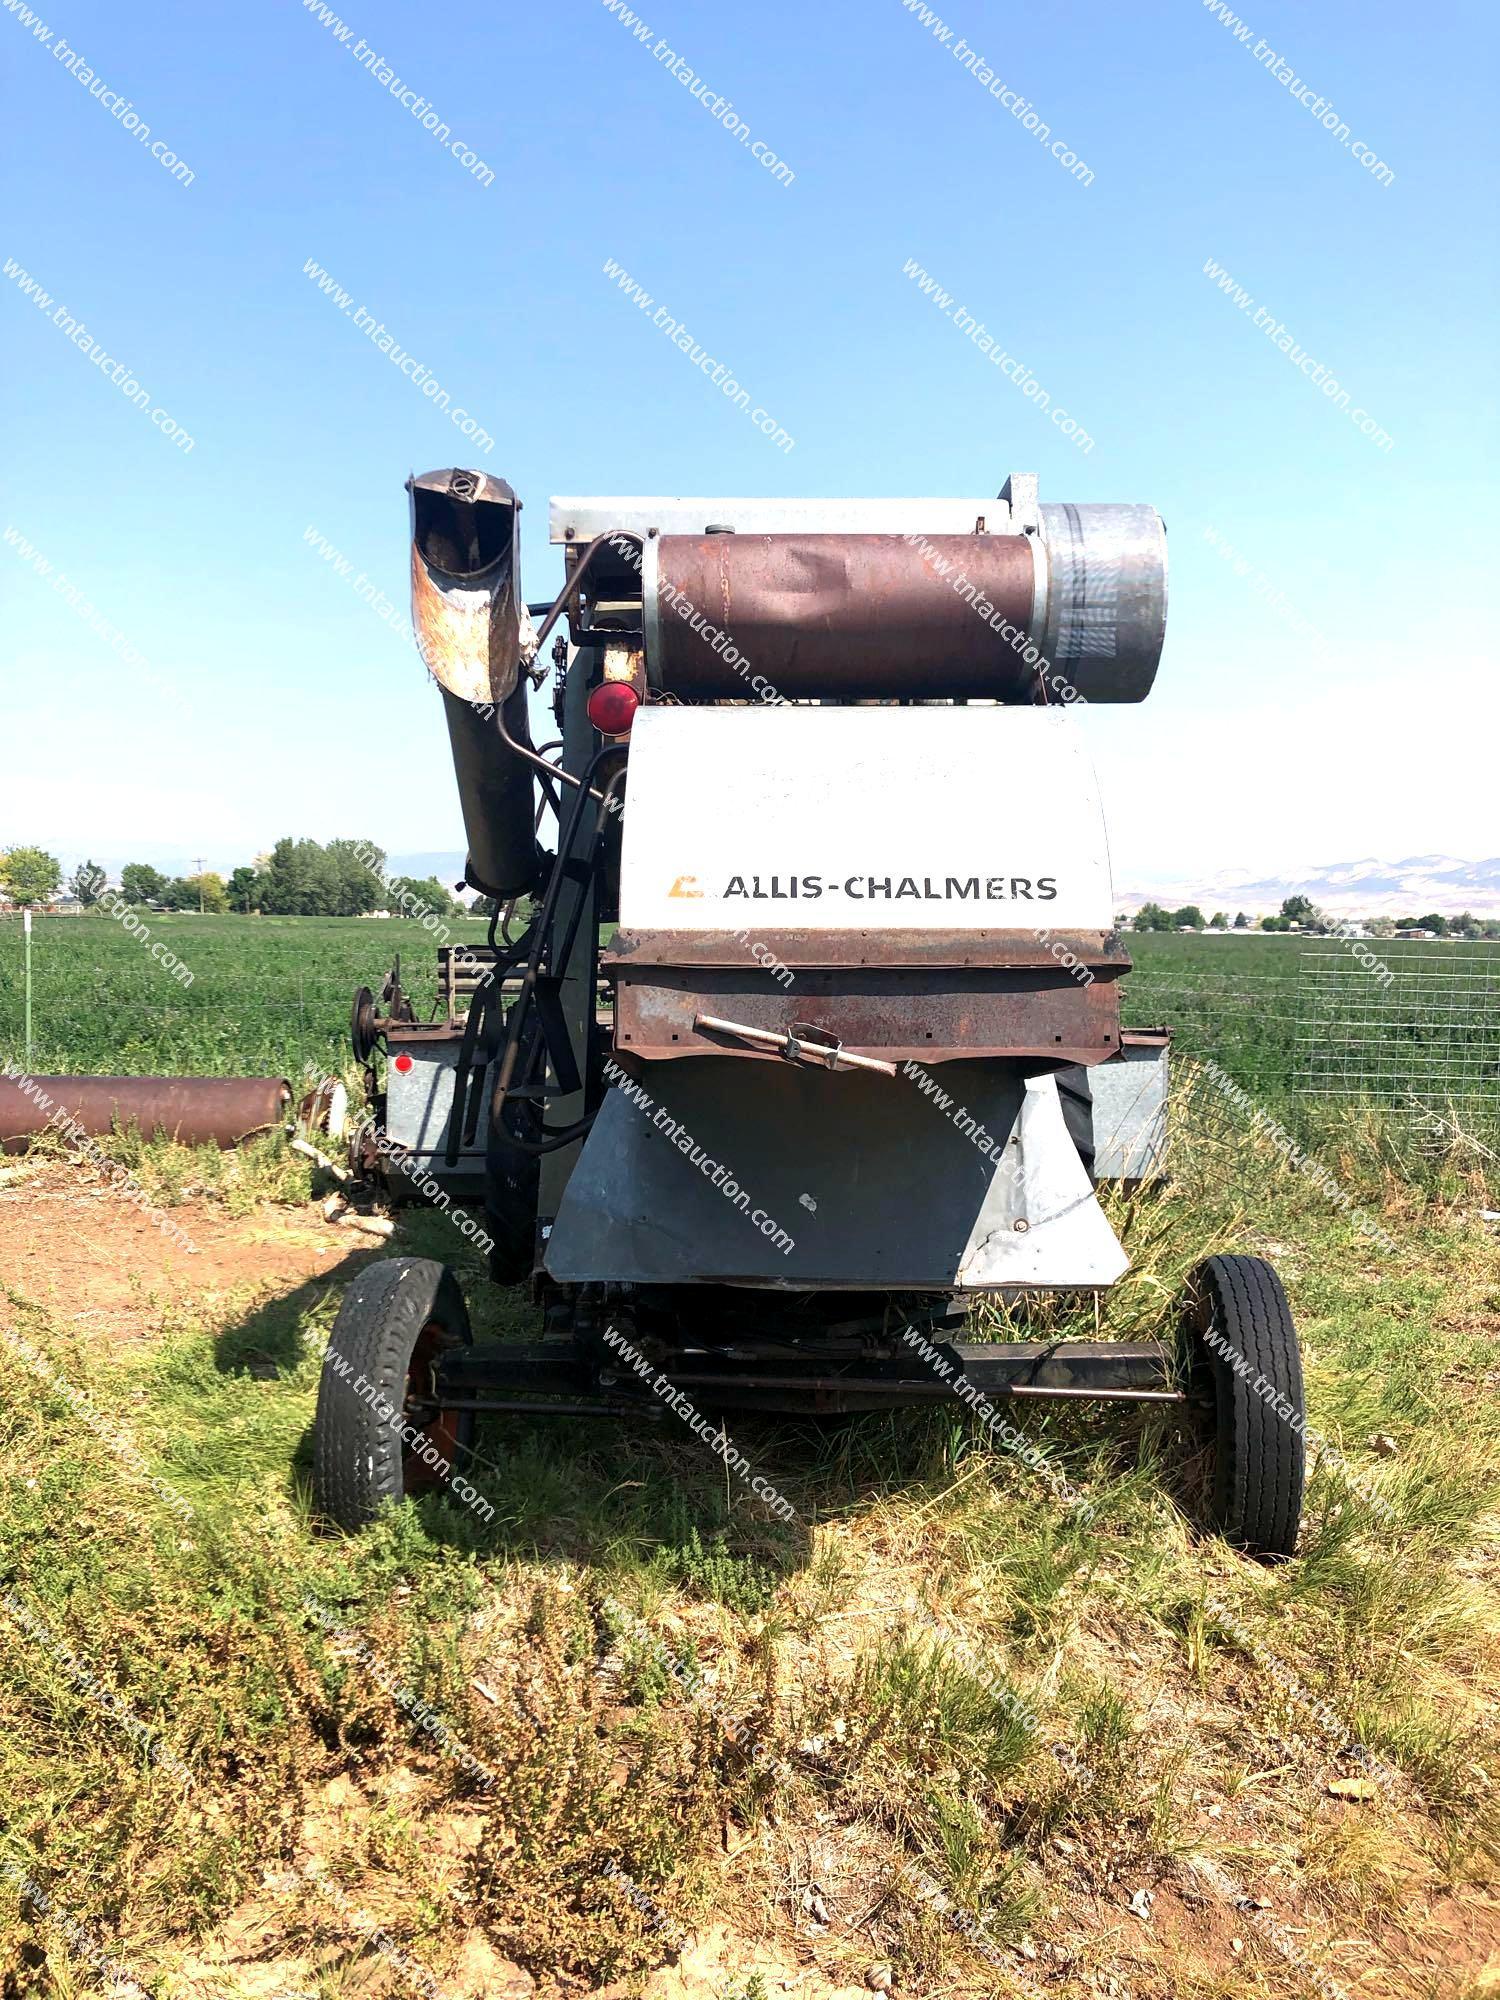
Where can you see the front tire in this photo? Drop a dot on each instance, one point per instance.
(369, 1445)
(1242, 1343)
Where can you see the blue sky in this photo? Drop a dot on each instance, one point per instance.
(1357, 717)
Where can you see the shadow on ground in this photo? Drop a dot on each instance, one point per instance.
(617, 1493)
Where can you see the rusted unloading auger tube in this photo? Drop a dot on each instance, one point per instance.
(218, 1111)
(474, 634)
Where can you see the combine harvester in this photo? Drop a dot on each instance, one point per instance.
(852, 1058)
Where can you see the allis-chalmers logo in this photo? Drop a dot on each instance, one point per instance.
(870, 888)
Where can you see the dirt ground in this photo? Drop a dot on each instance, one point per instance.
(99, 1264)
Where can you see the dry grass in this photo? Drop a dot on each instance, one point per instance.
(934, 1722)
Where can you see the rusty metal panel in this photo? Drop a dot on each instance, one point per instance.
(1004, 997)
(931, 1017)
(932, 996)
(847, 615)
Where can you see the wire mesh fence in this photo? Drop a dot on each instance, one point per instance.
(1422, 1034)
(1246, 1021)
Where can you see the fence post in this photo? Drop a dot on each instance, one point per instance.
(26, 933)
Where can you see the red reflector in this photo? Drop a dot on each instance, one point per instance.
(403, 1062)
(612, 706)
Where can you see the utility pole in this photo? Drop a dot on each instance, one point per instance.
(198, 864)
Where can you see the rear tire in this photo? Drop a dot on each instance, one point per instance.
(1075, 1093)
(1241, 1340)
(397, 1317)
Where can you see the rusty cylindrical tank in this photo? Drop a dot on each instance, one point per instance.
(1077, 607)
(195, 1110)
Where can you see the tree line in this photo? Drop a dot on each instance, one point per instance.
(347, 878)
(1301, 913)
(298, 878)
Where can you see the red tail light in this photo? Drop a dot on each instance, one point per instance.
(612, 706)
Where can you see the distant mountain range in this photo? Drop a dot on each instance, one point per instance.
(1369, 888)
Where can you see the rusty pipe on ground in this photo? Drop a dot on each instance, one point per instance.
(194, 1110)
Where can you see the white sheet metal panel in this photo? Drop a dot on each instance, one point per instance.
(801, 818)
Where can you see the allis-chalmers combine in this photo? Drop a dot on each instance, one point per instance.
(811, 1037)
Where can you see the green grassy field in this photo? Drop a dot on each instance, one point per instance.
(270, 994)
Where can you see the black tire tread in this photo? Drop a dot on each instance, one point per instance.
(1260, 1457)
(356, 1453)
(1076, 1096)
